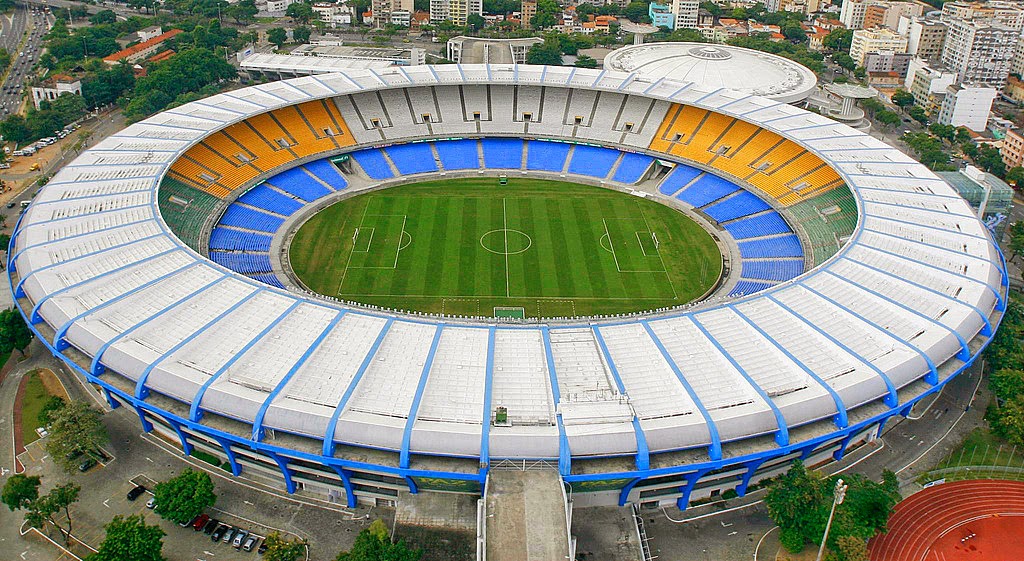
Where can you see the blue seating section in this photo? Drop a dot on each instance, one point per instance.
(262, 196)
(373, 163)
(744, 288)
(503, 153)
(546, 156)
(458, 154)
(245, 263)
(299, 183)
(632, 167)
(678, 178)
(270, 279)
(592, 160)
(773, 270)
(761, 225)
(707, 189)
(784, 246)
(327, 173)
(228, 239)
(412, 158)
(741, 204)
(250, 219)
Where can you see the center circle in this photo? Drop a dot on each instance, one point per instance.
(506, 241)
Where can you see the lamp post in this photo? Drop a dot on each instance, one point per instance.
(837, 499)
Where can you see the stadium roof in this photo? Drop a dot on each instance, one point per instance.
(893, 313)
(717, 66)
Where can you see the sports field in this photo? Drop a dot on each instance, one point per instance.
(532, 247)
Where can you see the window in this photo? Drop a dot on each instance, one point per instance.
(476, 115)
(629, 127)
(426, 118)
(578, 120)
(527, 116)
(375, 123)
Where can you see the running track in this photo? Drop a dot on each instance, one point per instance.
(919, 521)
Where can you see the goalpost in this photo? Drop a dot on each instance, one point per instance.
(355, 236)
(654, 237)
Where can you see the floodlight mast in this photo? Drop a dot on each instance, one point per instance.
(837, 499)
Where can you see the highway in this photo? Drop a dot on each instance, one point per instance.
(21, 33)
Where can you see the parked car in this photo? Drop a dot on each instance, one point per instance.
(262, 548)
(199, 523)
(219, 532)
(211, 526)
(239, 538)
(86, 465)
(250, 542)
(136, 492)
(151, 503)
(229, 534)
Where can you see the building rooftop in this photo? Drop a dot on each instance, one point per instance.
(122, 54)
(745, 70)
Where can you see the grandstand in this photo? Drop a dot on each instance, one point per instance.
(153, 279)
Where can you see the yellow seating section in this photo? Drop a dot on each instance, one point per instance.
(257, 139)
(790, 173)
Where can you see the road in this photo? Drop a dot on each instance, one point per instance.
(22, 36)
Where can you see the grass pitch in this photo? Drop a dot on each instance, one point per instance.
(468, 246)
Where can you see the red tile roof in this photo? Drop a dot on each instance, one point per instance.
(141, 46)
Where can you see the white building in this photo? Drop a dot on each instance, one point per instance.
(1009, 14)
(685, 13)
(383, 11)
(875, 40)
(149, 32)
(335, 15)
(454, 10)
(852, 13)
(980, 51)
(967, 106)
(54, 87)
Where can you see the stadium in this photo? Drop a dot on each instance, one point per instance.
(175, 267)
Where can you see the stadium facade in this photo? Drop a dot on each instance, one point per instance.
(898, 287)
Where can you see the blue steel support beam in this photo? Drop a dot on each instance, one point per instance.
(965, 351)
(257, 424)
(627, 489)
(289, 483)
(986, 330)
(410, 420)
(643, 454)
(186, 447)
(838, 454)
(564, 453)
(97, 368)
(236, 468)
(332, 424)
(36, 318)
(752, 467)
(781, 435)
(485, 422)
(346, 482)
(195, 411)
(141, 391)
(891, 398)
(691, 481)
(58, 337)
(841, 419)
(715, 447)
(113, 403)
(147, 426)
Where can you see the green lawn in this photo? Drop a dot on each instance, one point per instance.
(35, 397)
(467, 246)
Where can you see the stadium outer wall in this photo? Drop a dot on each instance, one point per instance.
(369, 480)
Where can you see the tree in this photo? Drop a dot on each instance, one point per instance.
(14, 332)
(918, 114)
(844, 61)
(851, 548)
(545, 17)
(887, 118)
(75, 429)
(130, 538)
(547, 52)
(860, 72)
(638, 12)
(1007, 383)
(188, 71)
(53, 404)
(584, 61)
(20, 491)
(185, 496)
(903, 98)
(300, 12)
(476, 22)
(103, 16)
(794, 502)
(280, 548)
(243, 12)
(794, 32)
(373, 544)
(1014, 175)
(14, 129)
(838, 40)
(301, 34)
(45, 508)
(1008, 420)
(278, 36)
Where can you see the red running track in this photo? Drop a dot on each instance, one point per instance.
(929, 525)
